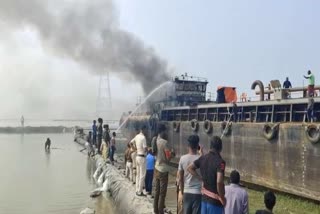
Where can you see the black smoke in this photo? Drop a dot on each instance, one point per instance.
(87, 31)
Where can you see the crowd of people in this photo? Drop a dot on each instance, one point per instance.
(147, 166)
(101, 138)
(200, 176)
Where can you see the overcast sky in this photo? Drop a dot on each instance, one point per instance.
(231, 43)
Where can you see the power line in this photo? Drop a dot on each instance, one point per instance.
(104, 100)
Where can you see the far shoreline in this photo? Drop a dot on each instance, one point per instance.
(35, 129)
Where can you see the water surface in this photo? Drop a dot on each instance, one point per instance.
(37, 182)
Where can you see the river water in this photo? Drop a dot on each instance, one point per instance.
(36, 182)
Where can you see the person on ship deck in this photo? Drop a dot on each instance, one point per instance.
(287, 85)
(311, 79)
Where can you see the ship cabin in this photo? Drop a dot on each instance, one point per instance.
(190, 90)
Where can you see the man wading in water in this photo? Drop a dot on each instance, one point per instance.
(47, 144)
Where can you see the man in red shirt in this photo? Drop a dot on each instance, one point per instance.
(212, 168)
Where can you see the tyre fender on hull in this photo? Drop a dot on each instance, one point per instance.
(176, 126)
(270, 131)
(207, 126)
(194, 125)
(313, 133)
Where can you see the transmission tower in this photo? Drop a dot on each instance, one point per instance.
(104, 104)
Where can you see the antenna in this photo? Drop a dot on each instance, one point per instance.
(104, 102)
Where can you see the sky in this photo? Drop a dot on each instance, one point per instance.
(232, 43)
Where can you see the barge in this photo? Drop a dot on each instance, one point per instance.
(271, 142)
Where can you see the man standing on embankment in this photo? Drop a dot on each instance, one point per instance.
(140, 143)
(164, 156)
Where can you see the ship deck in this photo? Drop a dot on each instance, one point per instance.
(287, 110)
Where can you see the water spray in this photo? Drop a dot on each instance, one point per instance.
(143, 102)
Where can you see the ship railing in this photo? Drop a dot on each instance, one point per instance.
(290, 90)
(295, 111)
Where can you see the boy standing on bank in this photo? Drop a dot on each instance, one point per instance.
(150, 160)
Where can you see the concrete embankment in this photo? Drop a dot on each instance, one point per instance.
(112, 182)
(35, 130)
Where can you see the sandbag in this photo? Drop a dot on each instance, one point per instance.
(97, 173)
(101, 178)
(88, 211)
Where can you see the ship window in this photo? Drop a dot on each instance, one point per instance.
(179, 87)
(190, 87)
(201, 88)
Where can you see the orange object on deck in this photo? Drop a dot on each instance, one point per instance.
(230, 94)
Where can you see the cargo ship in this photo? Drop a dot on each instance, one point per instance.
(271, 142)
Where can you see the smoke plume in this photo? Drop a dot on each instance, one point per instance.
(88, 33)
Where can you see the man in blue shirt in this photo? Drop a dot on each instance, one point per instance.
(150, 161)
(94, 133)
(287, 83)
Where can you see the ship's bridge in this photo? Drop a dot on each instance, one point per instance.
(190, 90)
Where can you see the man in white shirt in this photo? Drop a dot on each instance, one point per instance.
(141, 147)
(190, 186)
(236, 196)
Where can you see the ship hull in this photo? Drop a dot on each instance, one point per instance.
(288, 162)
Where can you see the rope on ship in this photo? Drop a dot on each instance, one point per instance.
(207, 126)
(313, 133)
(270, 130)
(226, 128)
(176, 126)
(194, 125)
